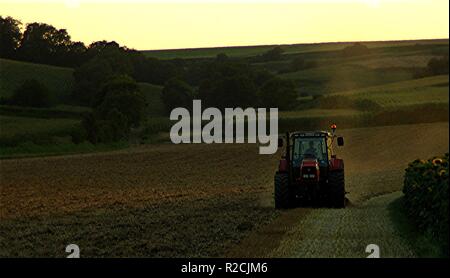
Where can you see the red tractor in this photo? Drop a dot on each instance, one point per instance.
(309, 172)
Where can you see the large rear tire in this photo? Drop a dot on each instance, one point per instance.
(283, 198)
(337, 189)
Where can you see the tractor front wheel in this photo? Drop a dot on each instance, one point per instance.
(283, 198)
(336, 184)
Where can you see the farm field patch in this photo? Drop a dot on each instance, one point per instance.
(11, 126)
(138, 202)
(58, 80)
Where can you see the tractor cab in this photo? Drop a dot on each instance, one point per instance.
(310, 146)
(309, 170)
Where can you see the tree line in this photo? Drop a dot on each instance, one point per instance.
(107, 74)
(45, 44)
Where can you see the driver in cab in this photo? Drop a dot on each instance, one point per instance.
(311, 151)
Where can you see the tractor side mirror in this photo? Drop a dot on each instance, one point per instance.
(340, 141)
(280, 142)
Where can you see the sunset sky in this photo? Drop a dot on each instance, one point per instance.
(147, 24)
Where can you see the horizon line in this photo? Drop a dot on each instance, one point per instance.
(289, 44)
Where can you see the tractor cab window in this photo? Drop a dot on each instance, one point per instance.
(309, 147)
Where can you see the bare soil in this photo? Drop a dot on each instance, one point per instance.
(183, 200)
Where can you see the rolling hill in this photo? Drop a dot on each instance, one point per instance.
(247, 51)
(412, 92)
(385, 77)
(58, 80)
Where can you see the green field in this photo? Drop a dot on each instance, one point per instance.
(15, 126)
(31, 131)
(433, 81)
(15, 131)
(342, 77)
(248, 51)
(58, 111)
(412, 92)
(317, 113)
(26, 136)
(334, 73)
(384, 77)
(58, 80)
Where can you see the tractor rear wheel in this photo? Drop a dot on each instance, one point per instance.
(283, 198)
(337, 189)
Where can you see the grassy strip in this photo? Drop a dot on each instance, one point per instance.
(428, 113)
(301, 120)
(423, 245)
(57, 140)
(17, 130)
(29, 149)
(247, 51)
(44, 113)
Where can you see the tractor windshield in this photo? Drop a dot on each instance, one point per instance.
(309, 147)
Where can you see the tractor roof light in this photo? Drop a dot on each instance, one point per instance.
(333, 127)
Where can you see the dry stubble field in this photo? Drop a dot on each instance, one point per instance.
(181, 200)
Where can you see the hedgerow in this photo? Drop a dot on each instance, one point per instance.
(427, 199)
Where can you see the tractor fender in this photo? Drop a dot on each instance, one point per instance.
(336, 164)
(283, 166)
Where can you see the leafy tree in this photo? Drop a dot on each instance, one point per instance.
(177, 93)
(261, 76)
(119, 125)
(231, 84)
(112, 129)
(278, 93)
(195, 71)
(152, 70)
(121, 93)
(118, 107)
(273, 54)
(43, 43)
(98, 48)
(229, 91)
(78, 134)
(88, 79)
(218, 69)
(40, 43)
(10, 36)
(109, 61)
(89, 124)
(75, 54)
(117, 83)
(32, 93)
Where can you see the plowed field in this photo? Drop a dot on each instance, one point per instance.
(185, 200)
